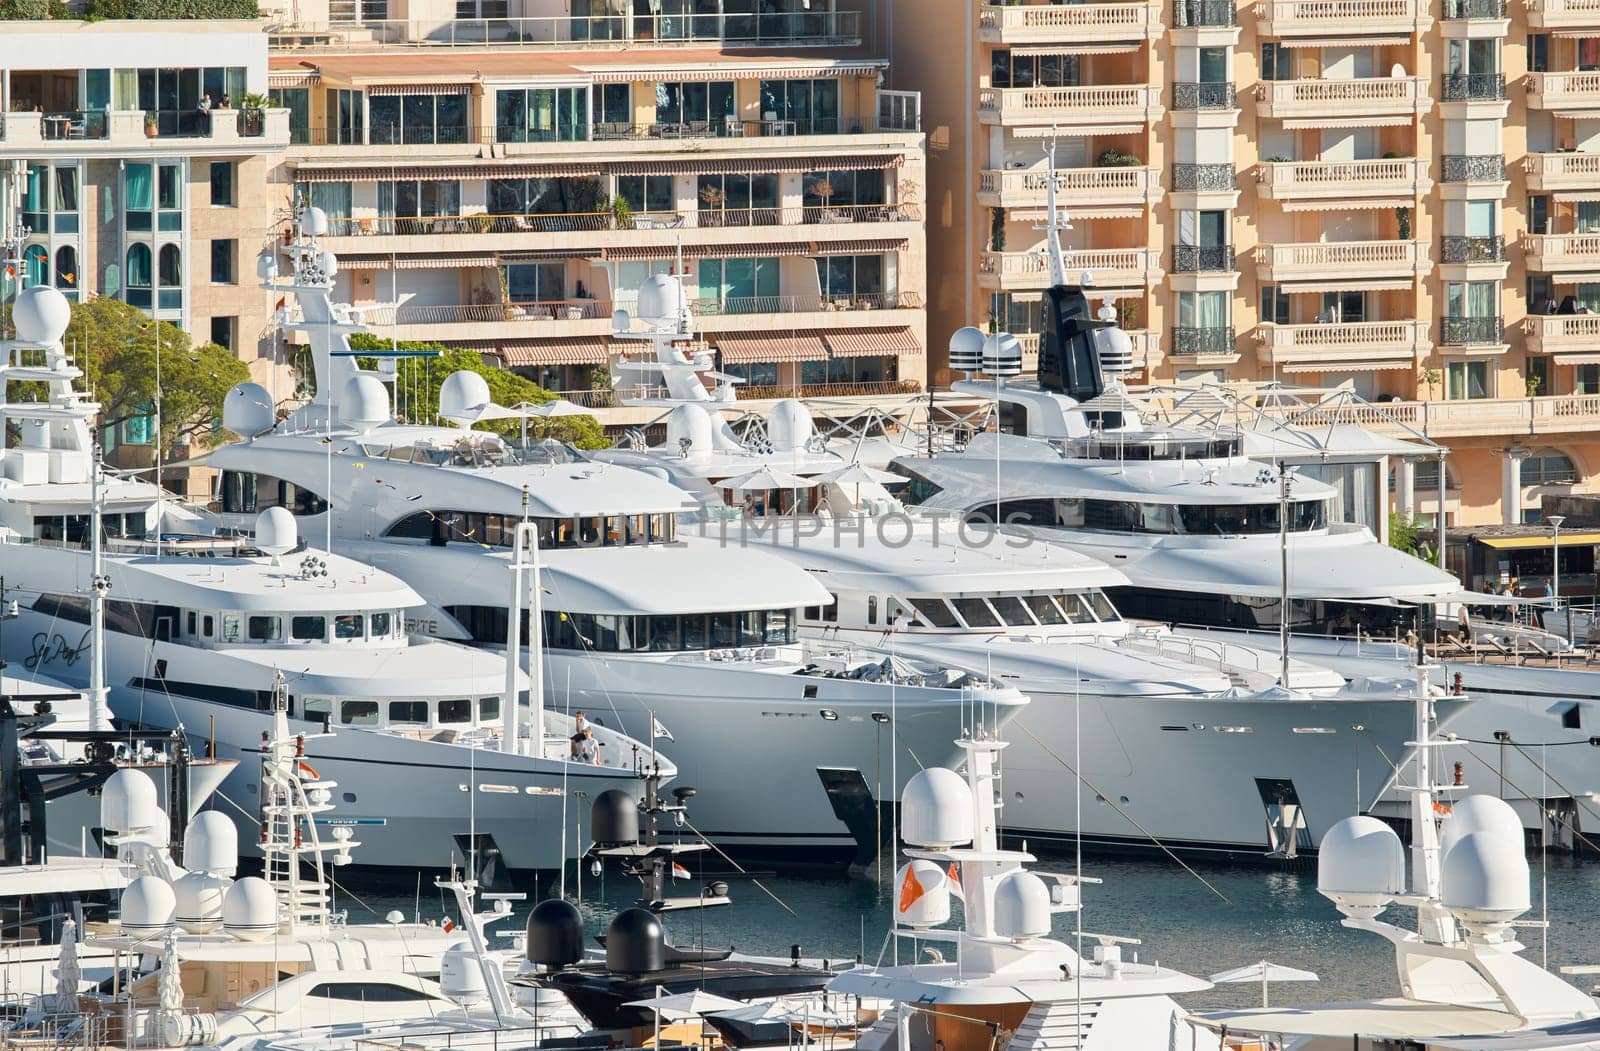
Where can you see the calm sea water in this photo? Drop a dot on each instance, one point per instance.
(1252, 914)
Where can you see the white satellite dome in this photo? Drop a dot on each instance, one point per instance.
(1481, 813)
(314, 222)
(1114, 347)
(128, 802)
(41, 314)
(461, 394)
(661, 298)
(1361, 865)
(211, 842)
(1483, 879)
(248, 410)
(621, 320)
(789, 425)
(267, 265)
(199, 897)
(966, 349)
(932, 907)
(936, 809)
(147, 906)
(687, 422)
(461, 975)
(1022, 906)
(364, 402)
(329, 264)
(250, 910)
(1002, 354)
(276, 531)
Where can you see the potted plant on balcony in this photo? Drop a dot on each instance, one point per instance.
(1402, 217)
(253, 109)
(151, 128)
(1115, 158)
(997, 229)
(823, 190)
(621, 214)
(713, 197)
(1431, 377)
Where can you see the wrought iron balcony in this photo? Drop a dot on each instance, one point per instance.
(1190, 95)
(1455, 10)
(1198, 259)
(1202, 177)
(1474, 87)
(1474, 167)
(1462, 331)
(1189, 14)
(1211, 340)
(1457, 249)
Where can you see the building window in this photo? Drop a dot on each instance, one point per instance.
(298, 102)
(222, 329)
(647, 193)
(1274, 304)
(834, 189)
(222, 184)
(1008, 70)
(740, 285)
(737, 200)
(542, 115)
(810, 107)
(1277, 62)
(1538, 376)
(222, 253)
(400, 202)
(345, 117)
(138, 275)
(67, 271)
(1465, 380)
(702, 105)
(1538, 52)
(138, 198)
(1586, 379)
(613, 110)
(1548, 467)
(535, 282)
(36, 261)
(855, 276)
(396, 119)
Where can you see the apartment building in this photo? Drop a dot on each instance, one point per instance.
(129, 188)
(513, 172)
(1401, 196)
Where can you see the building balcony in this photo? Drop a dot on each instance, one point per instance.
(651, 137)
(1191, 95)
(1146, 349)
(1473, 87)
(1471, 331)
(1075, 187)
(1568, 92)
(122, 133)
(1039, 23)
(1562, 333)
(1360, 101)
(565, 33)
(1563, 14)
(1484, 417)
(1455, 249)
(1466, 10)
(1562, 253)
(1104, 106)
(1202, 259)
(1474, 168)
(1551, 172)
(1342, 344)
(1344, 181)
(1112, 268)
(1204, 14)
(1341, 18)
(1336, 261)
(1203, 178)
(1210, 342)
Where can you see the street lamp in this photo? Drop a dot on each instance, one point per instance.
(1555, 556)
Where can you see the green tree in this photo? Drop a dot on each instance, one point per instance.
(420, 379)
(1403, 533)
(115, 346)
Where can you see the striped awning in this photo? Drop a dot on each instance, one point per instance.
(1108, 48)
(1342, 204)
(756, 250)
(1380, 365)
(1347, 121)
(573, 351)
(762, 164)
(416, 262)
(1352, 285)
(870, 342)
(685, 74)
(1577, 359)
(1074, 130)
(746, 348)
(418, 89)
(1132, 211)
(294, 79)
(1350, 41)
(485, 170)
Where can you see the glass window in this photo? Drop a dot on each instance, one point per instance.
(488, 708)
(358, 713)
(1011, 610)
(1102, 606)
(347, 626)
(381, 623)
(222, 184)
(647, 193)
(934, 612)
(222, 255)
(230, 627)
(308, 629)
(1046, 611)
(976, 613)
(413, 712)
(169, 187)
(1466, 379)
(317, 709)
(170, 270)
(455, 711)
(265, 629)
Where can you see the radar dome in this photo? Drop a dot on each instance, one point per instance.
(1021, 907)
(621, 321)
(688, 430)
(1361, 865)
(276, 531)
(636, 943)
(555, 934)
(1483, 879)
(1481, 813)
(364, 402)
(661, 298)
(462, 394)
(248, 410)
(211, 842)
(936, 809)
(614, 819)
(199, 897)
(329, 264)
(147, 906)
(1002, 354)
(966, 349)
(1114, 347)
(41, 314)
(922, 895)
(314, 222)
(267, 265)
(250, 910)
(128, 802)
(461, 975)
(789, 425)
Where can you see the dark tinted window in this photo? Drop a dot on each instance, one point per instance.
(366, 992)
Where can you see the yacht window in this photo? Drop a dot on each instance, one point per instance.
(414, 712)
(318, 708)
(366, 992)
(724, 630)
(488, 708)
(230, 627)
(188, 623)
(872, 609)
(347, 626)
(208, 626)
(976, 613)
(664, 634)
(1102, 606)
(935, 611)
(1047, 612)
(1011, 610)
(381, 623)
(306, 629)
(359, 713)
(265, 629)
(780, 627)
(457, 711)
(1077, 610)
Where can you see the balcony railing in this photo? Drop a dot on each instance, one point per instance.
(1344, 341)
(125, 129)
(1203, 178)
(1099, 104)
(1474, 167)
(1044, 23)
(1458, 249)
(1196, 14)
(1562, 171)
(578, 222)
(1190, 95)
(79, 124)
(1024, 189)
(1196, 259)
(1474, 87)
(1568, 413)
(600, 309)
(1563, 14)
(1466, 331)
(1196, 341)
(1554, 333)
(1566, 89)
(1341, 260)
(1367, 96)
(1341, 17)
(806, 304)
(806, 28)
(863, 389)
(600, 131)
(1456, 10)
(1562, 252)
(1385, 176)
(1110, 267)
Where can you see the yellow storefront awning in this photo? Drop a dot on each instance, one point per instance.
(1511, 543)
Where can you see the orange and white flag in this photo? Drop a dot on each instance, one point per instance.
(679, 872)
(955, 881)
(911, 889)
